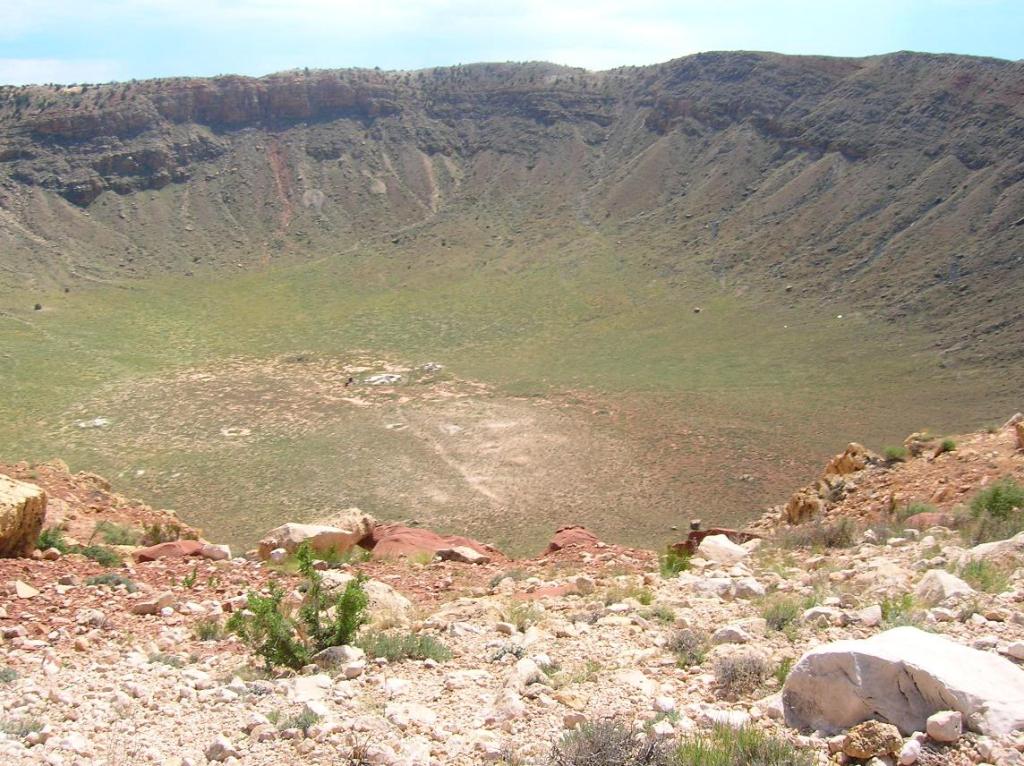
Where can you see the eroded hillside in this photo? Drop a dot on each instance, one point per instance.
(892, 183)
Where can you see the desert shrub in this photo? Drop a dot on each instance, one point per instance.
(896, 454)
(303, 721)
(395, 647)
(608, 743)
(521, 614)
(618, 593)
(912, 509)
(115, 534)
(282, 638)
(101, 555)
(663, 613)
(781, 612)
(997, 512)
(985, 576)
(671, 563)
(208, 629)
(725, 746)
(514, 574)
(781, 672)
(689, 646)
(19, 728)
(163, 658)
(740, 673)
(947, 445)
(7, 675)
(113, 580)
(840, 533)
(899, 610)
(52, 537)
(154, 534)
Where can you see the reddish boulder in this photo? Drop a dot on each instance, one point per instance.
(389, 541)
(173, 550)
(574, 536)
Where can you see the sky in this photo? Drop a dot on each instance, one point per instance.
(71, 41)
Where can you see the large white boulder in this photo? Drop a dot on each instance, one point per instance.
(937, 585)
(22, 510)
(721, 549)
(387, 606)
(903, 676)
(345, 530)
(1009, 551)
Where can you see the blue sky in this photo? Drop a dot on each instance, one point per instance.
(100, 40)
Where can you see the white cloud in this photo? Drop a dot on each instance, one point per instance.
(34, 71)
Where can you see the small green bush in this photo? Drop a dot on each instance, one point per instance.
(208, 629)
(999, 500)
(19, 728)
(303, 721)
(116, 534)
(609, 743)
(740, 673)
(947, 445)
(663, 613)
(671, 563)
(99, 554)
(395, 647)
(163, 658)
(985, 576)
(689, 646)
(725, 746)
(781, 671)
(618, 593)
(113, 580)
(154, 534)
(521, 614)
(7, 675)
(899, 610)
(896, 454)
(52, 537)
(781, 612)
(283, 639)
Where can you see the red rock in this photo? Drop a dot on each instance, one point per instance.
(172, 550)
(388, 541)
(929, 519)
(572, 536)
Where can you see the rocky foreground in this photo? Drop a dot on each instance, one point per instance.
(901, 643)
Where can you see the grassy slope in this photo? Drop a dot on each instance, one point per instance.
(696, 399)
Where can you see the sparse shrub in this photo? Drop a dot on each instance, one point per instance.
(154, 534)
(840, 533)
(115, 534)
(7, 675)
(664, 614)
(999, 500)
(52, 537)
(740, 673)
(997, 513)
(608, 743)
(521, 614)
(99, 554)
(303, 721)
(985, 576)
(507, 649)
(947, 445)
(283, 639)
(403, 646)
(725, 746)
(515, 574)
(619, 593)
(163, 658)
(896, 454)
(781, 671)
(19, 728)
(113, 580)
(189, 580)
(781, 612)
(689, 646)
(208, 629)
(671, 563)
(899, 610)
(912, 509)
